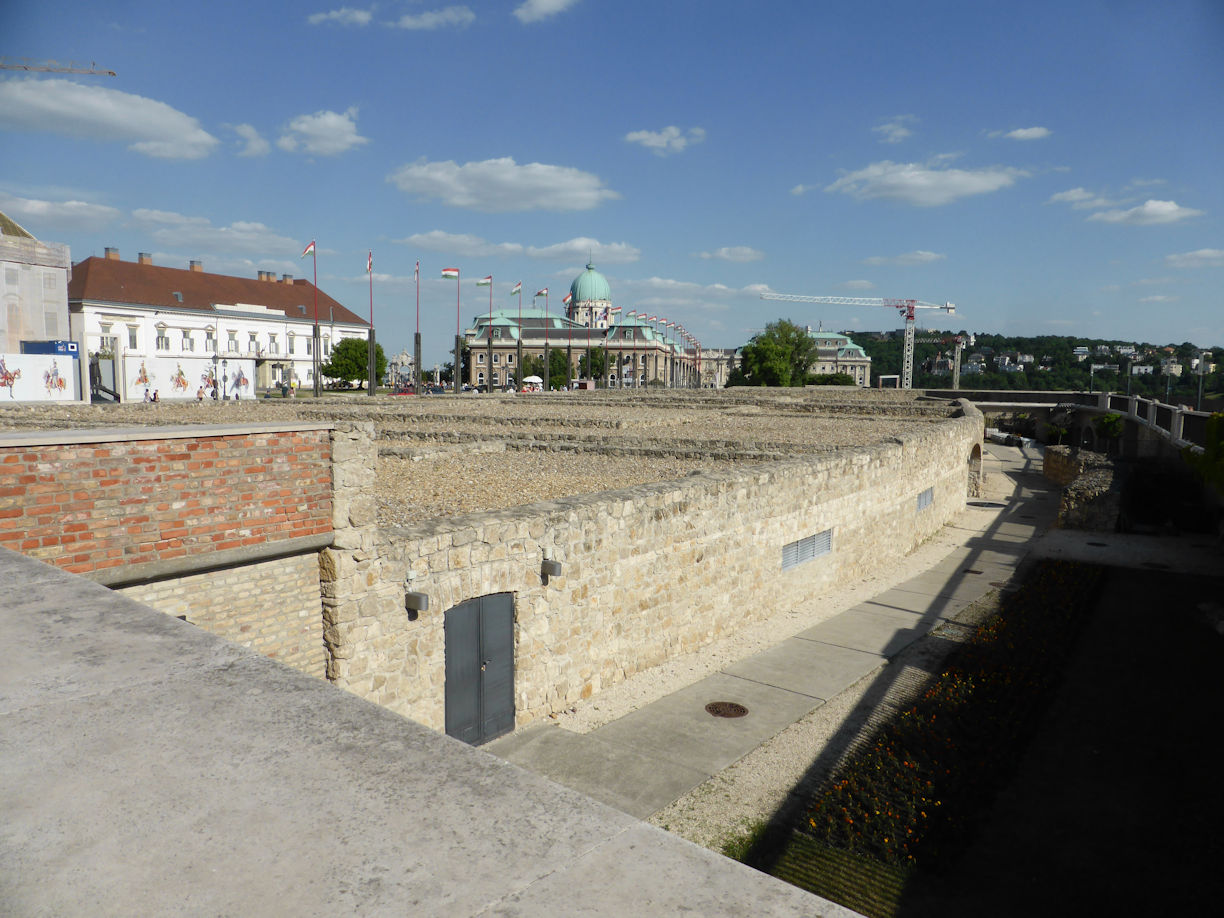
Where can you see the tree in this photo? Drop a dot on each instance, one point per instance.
(831, 379)
(598, 362)
(781, 355)
(350, 360)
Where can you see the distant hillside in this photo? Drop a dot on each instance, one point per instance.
(1048, 362)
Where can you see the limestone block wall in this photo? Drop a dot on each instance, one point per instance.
(648, 572)
(270, 606)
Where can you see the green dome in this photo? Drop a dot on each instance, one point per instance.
(590, 285)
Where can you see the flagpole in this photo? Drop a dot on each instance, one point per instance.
(518, 360)
(372, 345)
(458, 343)
(416, 342)
(489, 368)
(316, 363)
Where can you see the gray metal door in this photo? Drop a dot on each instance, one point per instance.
(480, 668)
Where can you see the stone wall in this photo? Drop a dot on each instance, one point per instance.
(1091, 498)
(648, 572)
(270, 606)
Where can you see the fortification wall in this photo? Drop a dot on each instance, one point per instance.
(219, 525)
(648, 572)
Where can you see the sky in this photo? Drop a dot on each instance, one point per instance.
(1049, 167)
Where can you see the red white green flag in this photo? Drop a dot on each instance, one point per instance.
(543, 292)
(309, 250)
(517, 288)
(567, 299)
(450, 272)
(485, 281)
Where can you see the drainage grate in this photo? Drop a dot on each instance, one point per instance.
(726, 709)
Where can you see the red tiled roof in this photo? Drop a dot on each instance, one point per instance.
(110, 280)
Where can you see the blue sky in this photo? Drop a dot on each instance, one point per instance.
(1050, 167)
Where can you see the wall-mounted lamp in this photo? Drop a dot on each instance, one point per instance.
(416, 602)
(550, 568)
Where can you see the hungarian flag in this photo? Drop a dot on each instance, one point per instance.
(615, 310)
(370, 264)
(485, 281)
(543, 292)
(671, 324)
(652, 318)
(632, 313)
(517, 288)
(450, 272)
(417, 273)
(567, 298)
(309, 250)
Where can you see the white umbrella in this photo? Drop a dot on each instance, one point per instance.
(532, 379)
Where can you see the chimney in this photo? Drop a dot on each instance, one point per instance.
(112, 254)
(196, 266)
(286, 278)
(144, 258)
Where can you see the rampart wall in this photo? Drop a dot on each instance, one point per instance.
(647, 572)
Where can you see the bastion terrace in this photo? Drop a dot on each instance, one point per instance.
(442, 456)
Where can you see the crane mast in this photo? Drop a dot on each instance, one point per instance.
(905, 307)
(959, 342)
(52, 67)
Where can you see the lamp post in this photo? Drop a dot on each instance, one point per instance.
(224, 379)
(214, 376)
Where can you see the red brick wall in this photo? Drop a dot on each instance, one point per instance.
(87, 507)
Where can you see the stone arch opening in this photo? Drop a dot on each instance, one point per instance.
(975, 471)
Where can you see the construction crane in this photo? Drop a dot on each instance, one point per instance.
(52, 67)
(906, 308)
(959, 342)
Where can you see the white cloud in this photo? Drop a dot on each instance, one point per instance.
(36, 215)
(1081, 199)
(736, 253)
(580, 247)
(612, 253)
(895, 131)
(197, 234)
(535, 10)
(255, 145)
(923, 185)
(1149, 213)
(323, 133)
(1200, 258)
(437, 19)
(344, 16)
(95, 113)
(1031, 133)
(669, 140)
(856, 285)
(1158, 298)
(460, 244)
(916, 257)
(502, 186)
(802, 189)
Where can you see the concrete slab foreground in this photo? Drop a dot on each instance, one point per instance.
(151, 768)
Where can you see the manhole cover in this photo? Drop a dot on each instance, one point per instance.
(726, 709)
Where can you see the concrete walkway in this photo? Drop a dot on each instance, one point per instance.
(150, 768)
(647, 759)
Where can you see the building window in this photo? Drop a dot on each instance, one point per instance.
(926, 498)
(109, 344)
(291, 341)
(273, 345)
(496, 358)
(163, 341)
(210, 341)
(326, 345)
(253, 344)
(510, 359)
(188, 342)
(480, 357)
(310, 347)
(232, 345)
(480, 379)
(51, 323)
(132, 338)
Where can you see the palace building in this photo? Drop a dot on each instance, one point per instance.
(634, 350)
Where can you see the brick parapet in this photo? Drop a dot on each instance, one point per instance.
(89, 501)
